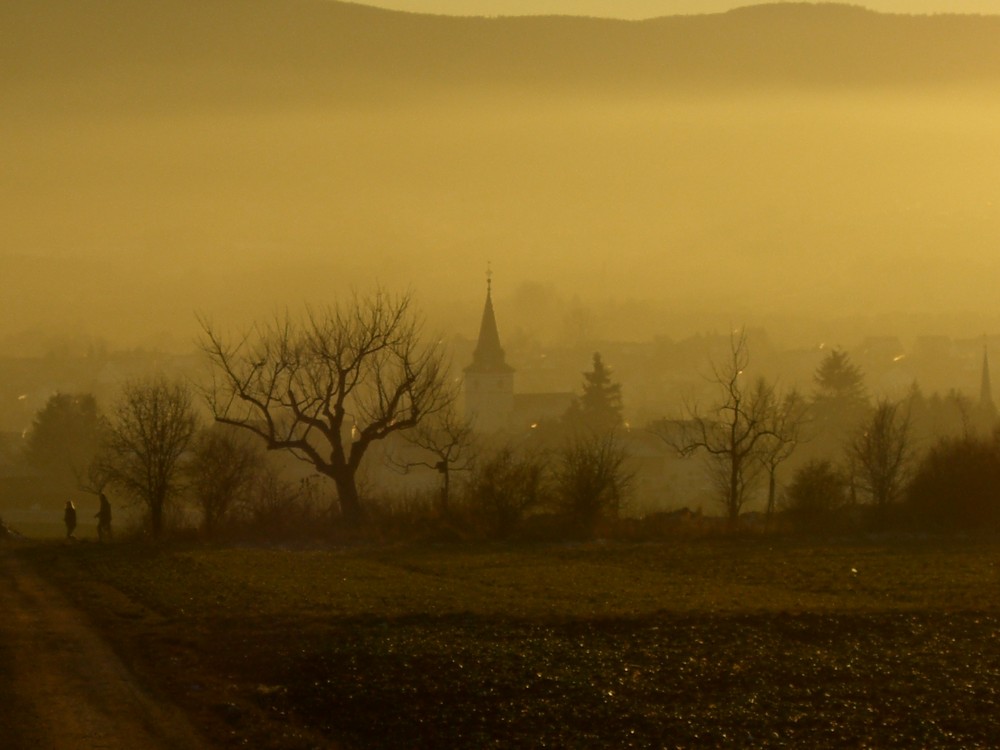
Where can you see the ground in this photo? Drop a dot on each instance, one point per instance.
(868, 642)
(63, 686)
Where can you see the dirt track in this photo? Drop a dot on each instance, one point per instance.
(63, 686)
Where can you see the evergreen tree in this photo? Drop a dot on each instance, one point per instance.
(600, 406)
(64, 436)
(840, 380)
(839, 403)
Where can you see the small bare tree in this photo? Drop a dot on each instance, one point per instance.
(507, 485)
(787, 415)
(152, 425)
(327, 386)
(448, 441)
(880, 456)
(592, 479)
(223, 469)
(733, 431)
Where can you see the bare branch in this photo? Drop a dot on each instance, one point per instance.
(326, 386)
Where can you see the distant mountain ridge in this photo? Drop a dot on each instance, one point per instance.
(123, 53)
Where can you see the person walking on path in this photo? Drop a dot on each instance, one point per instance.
(103, 517)
(69, 518)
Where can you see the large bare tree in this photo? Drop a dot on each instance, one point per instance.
(327, 385)
(152, 426)
(733, 431)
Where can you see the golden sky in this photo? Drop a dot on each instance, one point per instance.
(625, 182)
(654, 8)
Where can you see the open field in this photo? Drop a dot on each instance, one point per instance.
(712, 642)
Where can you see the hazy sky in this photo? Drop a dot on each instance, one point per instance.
(654, 8)
(625, 181)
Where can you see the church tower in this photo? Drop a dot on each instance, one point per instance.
(985, 387)
(985, 415)
(489, 380)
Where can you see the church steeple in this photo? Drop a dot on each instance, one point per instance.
(489, 380)
(985, 387)
(489, 354)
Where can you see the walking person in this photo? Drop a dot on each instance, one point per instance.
(69, 518)
(103, 517)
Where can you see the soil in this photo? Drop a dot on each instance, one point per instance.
(762, 645)
(62, 685)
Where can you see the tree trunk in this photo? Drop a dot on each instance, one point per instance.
(772, 487)
(350, 503)
(445, 488)
(734, 495)
(156, 518)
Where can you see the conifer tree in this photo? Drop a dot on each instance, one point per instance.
(600, 406)
(839, 403)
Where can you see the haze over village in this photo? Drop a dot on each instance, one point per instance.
(636, 187)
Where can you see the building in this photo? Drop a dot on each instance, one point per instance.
(489, 380)
(490, 400)
(986, 411)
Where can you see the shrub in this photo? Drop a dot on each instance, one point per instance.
(591, 481)
(956, 485)
(816, 497)
(417, 516)
(281, 510)
(505, 487)
(222, 471)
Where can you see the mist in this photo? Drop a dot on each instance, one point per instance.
(661, 209)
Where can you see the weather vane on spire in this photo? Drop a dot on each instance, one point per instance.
(489, 277)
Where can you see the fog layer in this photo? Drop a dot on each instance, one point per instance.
(141, 186)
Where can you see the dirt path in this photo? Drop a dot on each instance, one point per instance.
(62, 685)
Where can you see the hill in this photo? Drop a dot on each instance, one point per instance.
(233, 157)
(121, 53)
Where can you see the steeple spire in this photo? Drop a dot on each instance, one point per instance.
(489, 355)
(985, 388)
(489, 380)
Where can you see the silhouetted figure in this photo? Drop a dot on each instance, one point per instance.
(69, 517)
(103, 517)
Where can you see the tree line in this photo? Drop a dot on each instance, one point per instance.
(863, 463)
(325, 387)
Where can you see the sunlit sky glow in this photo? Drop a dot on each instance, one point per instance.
(635, 9)
(626, 180)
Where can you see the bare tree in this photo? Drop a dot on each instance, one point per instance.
(327, 386)
(448, 440)
(152, 425)
(506, 486)
(733, 431)
(592, 480)
(787, 415)
(223, 469)
(880, 455)
(95, 475)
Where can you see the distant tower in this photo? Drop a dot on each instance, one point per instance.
(489, 380)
